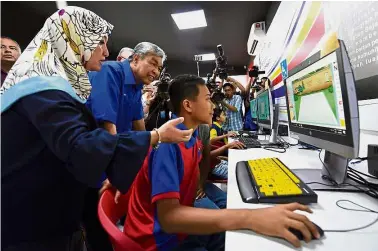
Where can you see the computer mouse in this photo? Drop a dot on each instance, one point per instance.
(299, 234)
(245, 134)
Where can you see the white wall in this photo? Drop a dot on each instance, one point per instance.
(368, 112)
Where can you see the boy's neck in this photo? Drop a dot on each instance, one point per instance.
(220, 123)
(189, 122)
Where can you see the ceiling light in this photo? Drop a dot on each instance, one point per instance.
(190, 20)
(204, 57)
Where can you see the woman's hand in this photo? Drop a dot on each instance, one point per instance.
(170, 134)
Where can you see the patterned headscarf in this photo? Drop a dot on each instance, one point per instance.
(61, 47)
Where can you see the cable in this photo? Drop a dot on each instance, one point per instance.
(271, 148)
(281, 138)
(367, 210)
(364, 174)
(359, 160)
(371, 190)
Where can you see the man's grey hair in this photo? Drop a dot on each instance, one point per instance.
(125, 49)
(144, 48)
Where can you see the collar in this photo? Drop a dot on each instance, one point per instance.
(217, 124)
(193, 139)
(231, 97)
(129, 75)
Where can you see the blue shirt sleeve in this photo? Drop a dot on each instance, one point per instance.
(164, 175)
(238, 102)
(66, 128)
(105, 94)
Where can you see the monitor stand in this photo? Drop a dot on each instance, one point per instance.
(336, 169)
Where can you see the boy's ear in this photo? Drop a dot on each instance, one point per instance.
(187, 105)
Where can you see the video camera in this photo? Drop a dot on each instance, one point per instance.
(159, 108)
(254, 73)
(216, 92)
(221, 63)
(163, 84)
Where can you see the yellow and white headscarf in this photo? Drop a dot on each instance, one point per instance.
(61, 47)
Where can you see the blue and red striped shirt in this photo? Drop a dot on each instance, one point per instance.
(169, 172)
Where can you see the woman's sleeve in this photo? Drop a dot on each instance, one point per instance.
(87, 153)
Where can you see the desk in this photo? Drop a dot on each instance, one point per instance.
(325, 213)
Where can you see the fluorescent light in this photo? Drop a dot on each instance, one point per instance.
(204, 57)
(61, 4)
(190, 20)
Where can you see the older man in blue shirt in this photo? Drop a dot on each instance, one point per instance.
(116, 104)
(115, 100)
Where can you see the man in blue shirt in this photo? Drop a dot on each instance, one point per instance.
(116, 104)
(115, 99)
(233, 104)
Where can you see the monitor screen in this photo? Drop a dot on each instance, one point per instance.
(263, 108)
(315, 97)
(253, 109)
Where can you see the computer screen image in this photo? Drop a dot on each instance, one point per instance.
(264, 109)
(323, 109)
(315, 98)
(253, 105)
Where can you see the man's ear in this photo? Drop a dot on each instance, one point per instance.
(136, 59)
(187, 105)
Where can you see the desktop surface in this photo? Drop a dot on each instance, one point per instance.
(326, 213)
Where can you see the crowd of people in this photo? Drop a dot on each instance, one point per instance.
(73, 126)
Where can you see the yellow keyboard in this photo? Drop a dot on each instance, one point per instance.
(272, 182)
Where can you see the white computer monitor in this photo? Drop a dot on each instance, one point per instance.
(323, 109)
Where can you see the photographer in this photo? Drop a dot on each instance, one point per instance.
(233, 104)
(148, 96)
(249, 95)
(236, 85)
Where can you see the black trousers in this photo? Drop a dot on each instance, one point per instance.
(74, 242)
(96, 237)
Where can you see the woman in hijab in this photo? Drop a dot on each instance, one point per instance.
(52, 149)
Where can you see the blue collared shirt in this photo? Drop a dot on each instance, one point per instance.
(234, 120)
(115, 96)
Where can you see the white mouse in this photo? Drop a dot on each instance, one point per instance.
(245, 134)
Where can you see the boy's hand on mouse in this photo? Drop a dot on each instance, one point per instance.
(276, 221)
(235, 145)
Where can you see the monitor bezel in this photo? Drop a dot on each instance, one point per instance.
(250, 104)
(264, 122)
(322, 137)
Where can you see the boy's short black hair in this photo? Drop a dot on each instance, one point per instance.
(217, 113)
(183, 87)
(228, 84)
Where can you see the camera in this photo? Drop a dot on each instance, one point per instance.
(216, 92)
(163, 84)
(221, 63)
(159, 108)
(255, 72)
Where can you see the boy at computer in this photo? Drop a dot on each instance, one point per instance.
(219, 138)
(161, 215)
(217, 134)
